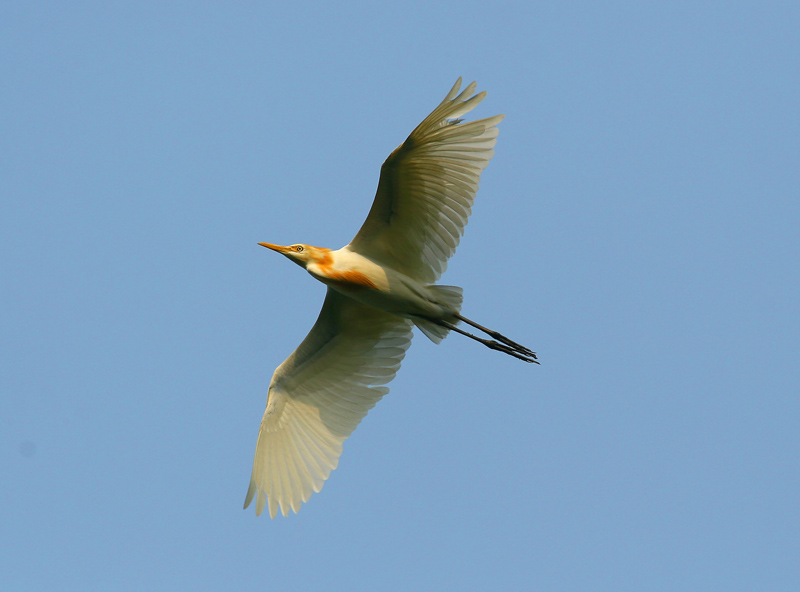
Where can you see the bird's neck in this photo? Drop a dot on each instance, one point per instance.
(336, 269)
(320, 256)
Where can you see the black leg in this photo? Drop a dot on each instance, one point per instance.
(499, 337)
(502, 347)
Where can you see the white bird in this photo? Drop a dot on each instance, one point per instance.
(379, 287)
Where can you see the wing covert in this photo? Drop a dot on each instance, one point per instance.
(427, 187)
(319, 395)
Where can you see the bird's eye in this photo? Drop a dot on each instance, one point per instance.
(298, 248)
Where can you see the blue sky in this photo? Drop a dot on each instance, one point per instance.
(638, 227)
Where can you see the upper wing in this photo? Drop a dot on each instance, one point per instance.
(319, 395)
(427, 187)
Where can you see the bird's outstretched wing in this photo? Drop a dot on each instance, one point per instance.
(319, 395)
(427, 187)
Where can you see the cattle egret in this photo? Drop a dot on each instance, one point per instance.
(379, 287)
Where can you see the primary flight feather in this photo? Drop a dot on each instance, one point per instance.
(379, 287)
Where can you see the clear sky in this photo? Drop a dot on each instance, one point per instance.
(639, 227)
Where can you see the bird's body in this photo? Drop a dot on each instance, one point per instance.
(379, 286)
(371, 283)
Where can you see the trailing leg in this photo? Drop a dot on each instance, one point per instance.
(506, 349)
(499, 337)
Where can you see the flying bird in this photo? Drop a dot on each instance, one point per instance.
(379, 287)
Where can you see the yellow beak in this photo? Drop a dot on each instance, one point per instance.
(277, 248)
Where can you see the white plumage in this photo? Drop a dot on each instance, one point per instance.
(379, 287)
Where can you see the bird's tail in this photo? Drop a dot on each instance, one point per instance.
(451, 297)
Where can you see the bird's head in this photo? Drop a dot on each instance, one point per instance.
(300, 254)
